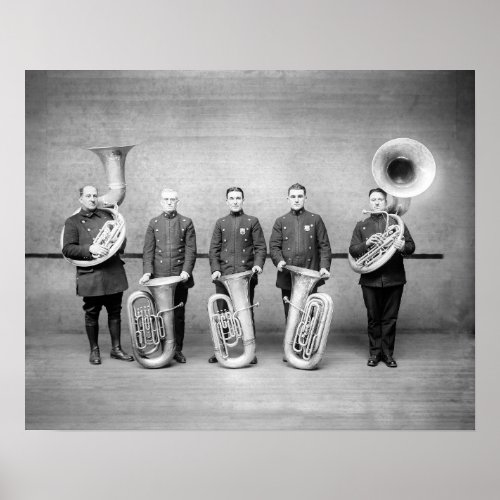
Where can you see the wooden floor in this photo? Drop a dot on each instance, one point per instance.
(433, 387)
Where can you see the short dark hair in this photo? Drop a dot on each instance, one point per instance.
(377, 190)
(297, 186)
(87, 185)
(235, 188)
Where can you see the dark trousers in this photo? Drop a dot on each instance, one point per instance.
(382, 307)
(288, 293)
(220, 288)
(180, 295)
(93, 305)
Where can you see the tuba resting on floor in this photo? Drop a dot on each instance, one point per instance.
(151, 322)
(233, 327)
(309, 319)
(112, 234)
(403, 168)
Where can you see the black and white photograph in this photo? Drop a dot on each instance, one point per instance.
(333, 209)
(259, 250)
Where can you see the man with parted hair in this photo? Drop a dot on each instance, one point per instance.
(170, 250)
(383, 287)
(299, 238)
(237, 245)
(99, 285)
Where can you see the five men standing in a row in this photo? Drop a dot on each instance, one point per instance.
(298, 238)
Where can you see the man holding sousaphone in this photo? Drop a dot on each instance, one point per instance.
(382, 286)
(170, 250)
(237, 245)
(100, 284)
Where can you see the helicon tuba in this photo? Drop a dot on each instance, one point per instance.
(151, 322)
(309, 319)
(233, 328)
(403, 168)
(112, 234)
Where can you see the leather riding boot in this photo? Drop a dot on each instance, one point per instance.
(116, 350)
(93, 334)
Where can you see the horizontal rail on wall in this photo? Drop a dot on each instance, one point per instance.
(205, 256)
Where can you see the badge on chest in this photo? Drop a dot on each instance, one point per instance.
(242, 230)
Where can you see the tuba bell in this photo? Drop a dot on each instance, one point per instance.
(151, 322)
(403, 168)
(309, 319)
(233, 327)
(112, 234)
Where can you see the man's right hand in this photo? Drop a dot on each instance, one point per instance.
(145, 278)
(98, 250)
(280, 265)
(374, 239)
(216, 275)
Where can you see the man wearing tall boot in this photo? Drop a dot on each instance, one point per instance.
(237, 245)
(170, 250)
(100, 285)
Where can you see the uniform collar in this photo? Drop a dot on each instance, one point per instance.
(88, 213)
(297, 212)
(236, 214)
(170, 215)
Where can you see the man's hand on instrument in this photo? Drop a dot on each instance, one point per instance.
(98, 250)
(399, 244)
(324, 273)
(184, 275)
(280, 265)
(216, 275)
(145, 278)
(257, 269)
(374, 239)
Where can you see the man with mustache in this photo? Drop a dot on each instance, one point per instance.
(170, 250)
(100, 285)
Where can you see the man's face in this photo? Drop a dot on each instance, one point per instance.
(88, 199)
(169, 201)
(296, 198)
(378, 202)
(234, 201)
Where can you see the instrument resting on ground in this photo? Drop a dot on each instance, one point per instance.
(233, 328)
(403, 168)
(309, 319)
(151, 322)
(112, 234)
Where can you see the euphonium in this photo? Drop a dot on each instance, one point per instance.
(309, 319)
(112, 234)
(233, 326)
(403, 168)
(151, 322)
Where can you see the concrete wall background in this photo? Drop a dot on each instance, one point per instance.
(200, 132)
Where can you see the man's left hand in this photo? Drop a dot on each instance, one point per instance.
(184, 275)
(256, 269)
(324, 273)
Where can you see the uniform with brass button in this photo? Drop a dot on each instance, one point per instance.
(170, 250)
(99, 285)
(237, 246)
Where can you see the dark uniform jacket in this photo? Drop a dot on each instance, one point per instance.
(237, 244)
(391, 273)
(104, 279)
(300, 239)
(170, 246)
